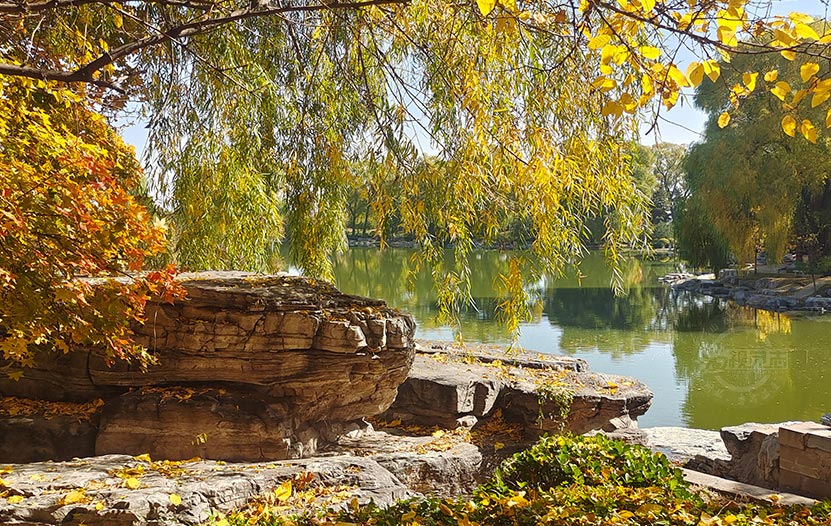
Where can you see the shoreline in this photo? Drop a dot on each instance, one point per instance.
(791, 294)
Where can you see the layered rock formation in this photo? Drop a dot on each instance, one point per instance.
(250, 368)
(542, 393)
(118, 490)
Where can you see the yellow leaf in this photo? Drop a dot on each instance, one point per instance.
(805, 31)
(800, 18)
(749, 80)
(676, 75)
(723, 120)
(599, 41)
(486, 6)
(828, 119)
(712, 69)
(781, 89)
(143, 458)
(646, 84)
(789, 125)
(771, 75)
(611, 108)
(788, 54)
(222, 522)
(498, 445)
(695, 73)
(15, 499)
(406, 517)
(99, 506)
(16, 376)
(175, 499)
(647, 5)
(118, 21)
(649, 52)
(283, 491)
(808, 70)
(809, 131)
(730, 519)
(132, 483)
(77, 496)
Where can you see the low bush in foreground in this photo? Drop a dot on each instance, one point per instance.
(562, 481)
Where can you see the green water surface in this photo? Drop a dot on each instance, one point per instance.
(710, 363)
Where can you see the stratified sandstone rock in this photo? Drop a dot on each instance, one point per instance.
(543, 394)
(446, 466)
(100, 496)
(292, 361)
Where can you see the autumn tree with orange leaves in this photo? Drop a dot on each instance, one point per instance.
(67, 213)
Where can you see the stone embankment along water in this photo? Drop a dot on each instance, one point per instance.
(791, 456)
(250, 368)
(773, 293)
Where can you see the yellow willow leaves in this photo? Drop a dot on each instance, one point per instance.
(771, 75)
(649, 52)
(712, 69)
(788, 54)
(486, 6)
(789, 125)
(723, 120)
(679, 77)
(808, 130)
(695, 73)
(599, 41)
(604, 83)
(781, 90)
(806, 32)
(808, 70)
(749, 80)
(822, 91)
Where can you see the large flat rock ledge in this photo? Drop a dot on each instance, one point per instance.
(543, 394)
(250, 368)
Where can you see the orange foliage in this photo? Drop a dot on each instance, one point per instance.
(67, 214)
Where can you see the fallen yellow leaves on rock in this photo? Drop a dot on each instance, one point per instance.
(13, 406)
(132, 483)
(175, 499)
(78, 496)
(15, 499)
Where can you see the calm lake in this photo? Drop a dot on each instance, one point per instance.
(710, 363)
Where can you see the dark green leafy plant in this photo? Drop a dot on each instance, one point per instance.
(594, 461)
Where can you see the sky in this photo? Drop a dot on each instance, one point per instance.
(681, 125)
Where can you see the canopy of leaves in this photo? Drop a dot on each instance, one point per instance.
(65, 178)
(526, 104)
(748, 177)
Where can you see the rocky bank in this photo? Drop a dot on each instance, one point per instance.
(773, 293)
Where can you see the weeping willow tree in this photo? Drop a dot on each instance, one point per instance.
(258, 112)
(748, 177)
(272, 139)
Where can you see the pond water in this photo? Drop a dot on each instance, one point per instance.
(710, 363)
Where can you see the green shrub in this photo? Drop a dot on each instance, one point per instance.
(594, 461)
